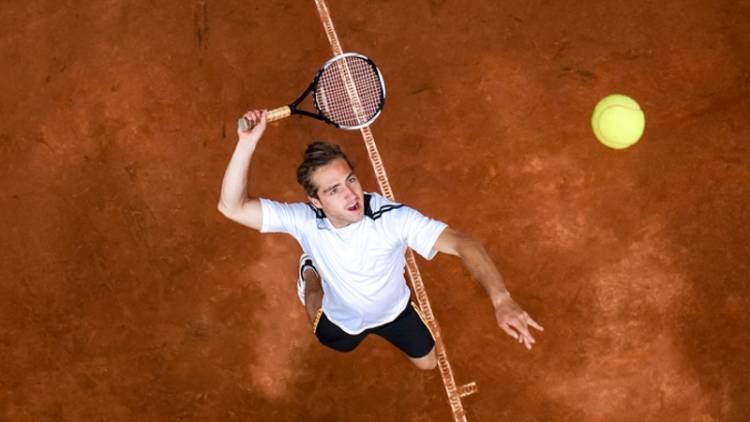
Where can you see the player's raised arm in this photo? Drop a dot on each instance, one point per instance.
(235, 203)
(510, 317)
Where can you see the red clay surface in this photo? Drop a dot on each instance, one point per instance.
(126, 296)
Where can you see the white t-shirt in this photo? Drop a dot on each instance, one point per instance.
(362, 264)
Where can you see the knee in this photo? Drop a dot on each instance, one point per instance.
(428, 366)
(427, 363)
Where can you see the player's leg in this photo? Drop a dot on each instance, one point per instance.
(331, 335)
(310, 292)
(426, 363)
(410, 333)
(309, 288)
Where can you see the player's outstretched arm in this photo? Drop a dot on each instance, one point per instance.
(510, 317)
(234, 202)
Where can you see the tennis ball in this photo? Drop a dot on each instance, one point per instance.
(618, 121)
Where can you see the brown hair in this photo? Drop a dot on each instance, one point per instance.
(317, 155)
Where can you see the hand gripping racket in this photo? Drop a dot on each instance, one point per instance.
(348, 93)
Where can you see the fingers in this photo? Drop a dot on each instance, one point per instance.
(252, 118)
(515, 322)
(534, 324)
(510, 332)
(260, 121)
(252, 115)
(517, 326)
(252, 121)
(526, 340)
(521, 325)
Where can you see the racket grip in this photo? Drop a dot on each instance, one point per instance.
(242, 124)
(278, 113)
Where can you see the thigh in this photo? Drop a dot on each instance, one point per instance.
(409, 332)
(330, 335)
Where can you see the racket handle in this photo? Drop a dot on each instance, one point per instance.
(275, 114)
(242, 124)
(278, 113)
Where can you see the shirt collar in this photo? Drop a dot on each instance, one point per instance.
(320, 216)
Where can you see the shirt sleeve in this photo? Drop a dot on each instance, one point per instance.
(419, 232)
(279, 217)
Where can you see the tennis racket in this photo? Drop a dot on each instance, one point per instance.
(348, 93)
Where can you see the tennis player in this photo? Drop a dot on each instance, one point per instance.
(351, 273)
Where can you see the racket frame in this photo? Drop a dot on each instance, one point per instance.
(282, 112)
(314, 85)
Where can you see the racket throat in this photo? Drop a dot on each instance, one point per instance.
(313, 115)
(293, 106)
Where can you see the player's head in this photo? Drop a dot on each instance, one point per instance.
(328, 178)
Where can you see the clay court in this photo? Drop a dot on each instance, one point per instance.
(126, 296)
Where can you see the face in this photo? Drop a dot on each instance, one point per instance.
(339, 193)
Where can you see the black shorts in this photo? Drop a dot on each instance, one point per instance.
(409, 332)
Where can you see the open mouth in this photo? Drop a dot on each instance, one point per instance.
(354, 207)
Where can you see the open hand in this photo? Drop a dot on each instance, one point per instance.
(516, 322)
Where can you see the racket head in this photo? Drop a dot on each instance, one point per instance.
(349, 105)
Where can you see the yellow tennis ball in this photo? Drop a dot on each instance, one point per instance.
(618, 121)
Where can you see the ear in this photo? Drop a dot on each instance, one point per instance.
(315, 202)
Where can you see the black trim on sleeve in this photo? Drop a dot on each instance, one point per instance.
(379, 213)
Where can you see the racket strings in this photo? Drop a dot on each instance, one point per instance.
(349, 91)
